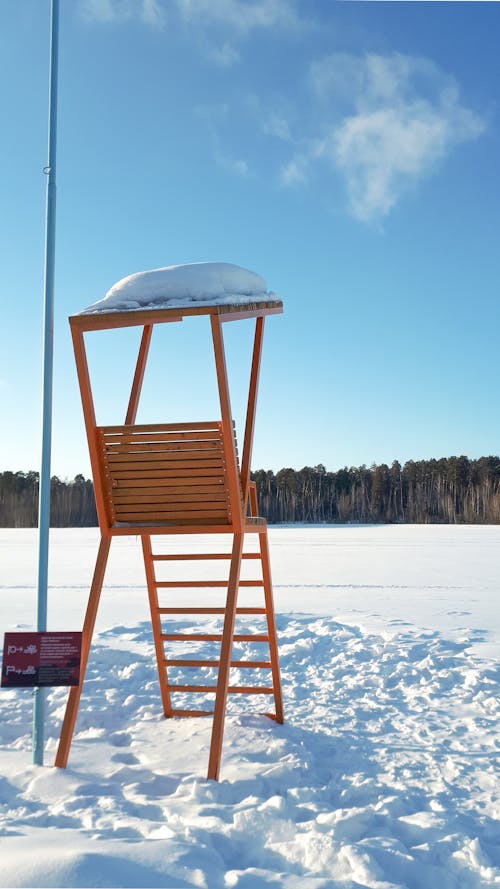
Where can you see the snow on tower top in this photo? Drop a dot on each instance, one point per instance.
(178, 286)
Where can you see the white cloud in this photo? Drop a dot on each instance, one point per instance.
(223, 55)
(274, 123)
(389, 120)
(151, 12)
(295, 171)
(218, 24)
(216, 118)
(241, 16)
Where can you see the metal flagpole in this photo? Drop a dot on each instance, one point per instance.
(48, 351)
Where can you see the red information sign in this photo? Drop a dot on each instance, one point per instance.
(41, 659)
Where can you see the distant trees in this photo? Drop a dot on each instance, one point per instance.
(71, 503)
(449, 490)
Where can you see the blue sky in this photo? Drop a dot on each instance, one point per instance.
(347, 152)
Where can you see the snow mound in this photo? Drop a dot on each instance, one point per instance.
(176, 286)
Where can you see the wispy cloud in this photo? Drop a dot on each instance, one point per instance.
(151, 12)
(386, 122)
(221, 24)
(241, 16)
(217, 118)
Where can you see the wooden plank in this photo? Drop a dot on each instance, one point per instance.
(122, 529)
(109, 320)
(180, 499)
(159, 517)
(126, 495)
(211, 583)
(162, 427)
(164, 458)
(166, 465)
(180, 468)
(212, 637)
(192, 610)
(146, 446)
(204, 557)
(160, 438)
(192, 713)
(212, 689)
(167, 479)
(189, 662)
(153, 498)
(205, 509)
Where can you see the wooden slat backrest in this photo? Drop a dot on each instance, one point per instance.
(171, 474)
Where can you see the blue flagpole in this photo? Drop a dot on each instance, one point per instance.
(48, 352)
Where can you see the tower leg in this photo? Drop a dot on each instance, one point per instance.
(271, 624)
(268, 597)
(156, 624)
(87, 632)
(225, 658)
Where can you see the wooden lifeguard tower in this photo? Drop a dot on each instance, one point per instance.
(181, 478)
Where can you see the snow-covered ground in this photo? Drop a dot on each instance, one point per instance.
(384, 775)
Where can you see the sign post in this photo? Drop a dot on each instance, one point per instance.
(48, 350)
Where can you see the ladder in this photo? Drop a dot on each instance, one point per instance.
(167, 638)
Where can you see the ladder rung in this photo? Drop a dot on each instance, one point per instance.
(210, 637)
(190, 610)
(176, 712)
(196, 713)
(233, 689)
(184, 584)
(203, 557)
(261, 665)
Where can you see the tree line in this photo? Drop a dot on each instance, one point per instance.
(449, 490)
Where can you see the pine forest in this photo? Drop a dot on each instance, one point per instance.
(448, 490)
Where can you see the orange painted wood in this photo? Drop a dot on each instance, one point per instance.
(232, 689)
(145, 446)
(103, 320)
(103, 513)
(132, 431)
(213, 637)
(259, 665)
(191, 610)
(142, 358)
(131, 529)
(185, 478)
(206, 583)
(194, 713)
(203, 557)
(232, 472)
(226, 648)
(190, 494)
(156, 624)
(271, 628)
(151, 462)
(172, 517)
(75, 692)
(251, 408)
(166, 476)
(216, 496)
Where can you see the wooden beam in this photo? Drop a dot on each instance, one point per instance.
(135, 392)
(88, 630)
(251, 408)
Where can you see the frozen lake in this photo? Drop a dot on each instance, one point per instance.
(384, 775)
(434, 576)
